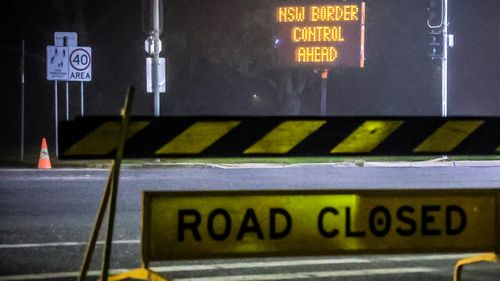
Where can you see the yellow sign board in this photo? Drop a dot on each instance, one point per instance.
(199, 225)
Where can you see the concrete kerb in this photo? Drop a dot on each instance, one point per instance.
(346, 164)
(431, 163)
(492, 163)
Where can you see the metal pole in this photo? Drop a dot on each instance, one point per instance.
(23, 56)
(444, 63)
(156, 57)
(67, 100)
(81, 99)
(56, 113)
(324, 78)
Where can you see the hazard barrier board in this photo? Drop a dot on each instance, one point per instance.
(279, 136)
(200, 225)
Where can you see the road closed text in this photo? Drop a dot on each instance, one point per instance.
(331, 222)
(233, 224)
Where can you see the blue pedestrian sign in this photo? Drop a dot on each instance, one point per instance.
(57, 63)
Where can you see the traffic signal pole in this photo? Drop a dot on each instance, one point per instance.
(440, 42)
(444, 62)
(155, 69)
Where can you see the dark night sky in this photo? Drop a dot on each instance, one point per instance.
(218, 59)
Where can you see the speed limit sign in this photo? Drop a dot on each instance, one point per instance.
(80, 64)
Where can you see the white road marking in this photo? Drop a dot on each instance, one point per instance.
(260, 264)
(398, 258)
(61, 244)
(245, 265)
(176, 268)
(321, 274)
(430, 257)
(24, 170)
(55, 275)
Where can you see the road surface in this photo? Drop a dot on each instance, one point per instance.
(46, 218)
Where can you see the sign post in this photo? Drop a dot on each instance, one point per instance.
(57, 70)
(56, 117)
(67, 101)
(324, 81)
(82, 109)
(23, 57)
(68, 62)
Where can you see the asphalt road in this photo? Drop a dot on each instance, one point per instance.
(46, 217)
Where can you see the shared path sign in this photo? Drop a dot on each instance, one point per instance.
(200, 225)
(279, 136)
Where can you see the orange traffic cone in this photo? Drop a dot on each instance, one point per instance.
(44, 161)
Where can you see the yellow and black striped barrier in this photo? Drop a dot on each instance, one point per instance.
(97, 137)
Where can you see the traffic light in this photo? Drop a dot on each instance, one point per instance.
(436, 45)
(435, 13)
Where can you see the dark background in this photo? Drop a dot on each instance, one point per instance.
(220, 62)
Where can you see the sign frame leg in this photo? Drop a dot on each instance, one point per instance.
(97, 226)
(138, 274)
(488, 257)
(109, 197)
(113, 192)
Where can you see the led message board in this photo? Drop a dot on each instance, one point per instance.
(322, 34)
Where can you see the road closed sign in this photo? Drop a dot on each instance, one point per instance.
(80, 64)
(199, 225)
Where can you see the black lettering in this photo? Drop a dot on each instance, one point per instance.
(348, 231)
(428, 218)
(211, 224)
(193, 226)
(85, 59)
(250, 224)
(377, 221)
(407, 220)
(449, 217)
(321, 227)
(76, 59)
(273, 233)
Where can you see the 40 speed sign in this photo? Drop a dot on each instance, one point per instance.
(80, 64)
